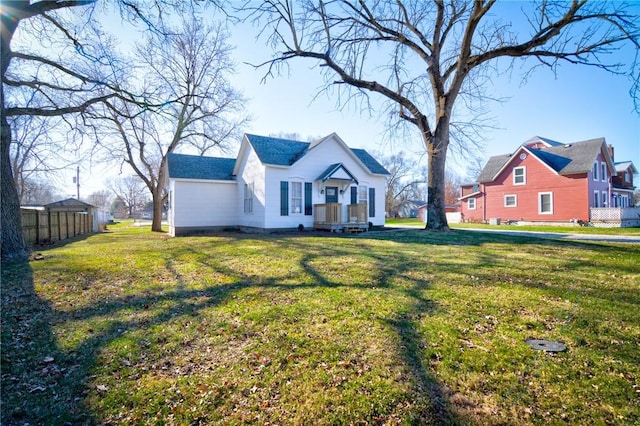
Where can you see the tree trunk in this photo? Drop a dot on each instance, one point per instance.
(156, 224)
(14, 246)
(437, 155)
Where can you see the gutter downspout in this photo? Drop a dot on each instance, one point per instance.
(484, 204)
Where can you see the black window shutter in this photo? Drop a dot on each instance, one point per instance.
(372, 202)
(284, 198)
(354, 195)
(308, 207)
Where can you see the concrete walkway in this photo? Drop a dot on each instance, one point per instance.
(631, 239)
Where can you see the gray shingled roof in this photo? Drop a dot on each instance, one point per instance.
(276, 151)
(565, 159)
(492, 167)
(182, 166)
(571, 158)
(624, 165)
(69, 202)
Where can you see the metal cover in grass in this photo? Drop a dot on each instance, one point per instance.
(546, 345)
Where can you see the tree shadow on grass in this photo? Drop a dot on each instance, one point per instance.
(44, 383)
(41, 384)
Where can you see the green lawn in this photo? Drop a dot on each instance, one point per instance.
(394, 327)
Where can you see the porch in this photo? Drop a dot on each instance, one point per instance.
(334, 217)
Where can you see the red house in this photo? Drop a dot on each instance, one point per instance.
(548, 181)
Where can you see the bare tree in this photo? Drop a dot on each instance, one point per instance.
(38, 151)
(442, 54)
(405, 182)
(191, 64)
(37, 191)
(101, 199)
(55, 48)
(131, 191)
(451, 187)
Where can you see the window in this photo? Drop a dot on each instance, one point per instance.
(626, 176)
(596, 199)
(545, 203)
(595, 171)
(605, 199)
(248, 197)
(603, 172)
(510, 200)
(519, 177)
(296, 197)
(362, 194)
(471, 204)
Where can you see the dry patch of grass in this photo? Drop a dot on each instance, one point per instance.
(380, 328)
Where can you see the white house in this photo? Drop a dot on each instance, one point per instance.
(277, 184)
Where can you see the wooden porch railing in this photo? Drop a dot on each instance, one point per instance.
(331, 213)
(357, 213)
(327, 214)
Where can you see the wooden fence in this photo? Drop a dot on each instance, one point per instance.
(38, 225)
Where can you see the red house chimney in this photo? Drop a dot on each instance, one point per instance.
(611, 152)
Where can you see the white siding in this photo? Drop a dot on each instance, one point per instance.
(251, 170)
(201, 204)
(308, 169)
(205, 204)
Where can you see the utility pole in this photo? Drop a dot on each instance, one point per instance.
(76, 180)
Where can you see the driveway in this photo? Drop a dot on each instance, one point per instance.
(632, 239)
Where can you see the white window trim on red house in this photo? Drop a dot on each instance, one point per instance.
(511, 196)
(524, 175)
(540, 195)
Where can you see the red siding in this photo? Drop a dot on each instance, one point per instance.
(571, 195)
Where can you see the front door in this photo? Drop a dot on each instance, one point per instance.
(331, 194)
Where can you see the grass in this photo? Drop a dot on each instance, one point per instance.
(398, 327)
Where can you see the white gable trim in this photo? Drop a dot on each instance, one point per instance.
(515, 155)
(345, 147)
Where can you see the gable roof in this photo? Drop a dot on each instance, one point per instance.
(572, 158)
(332, 170)
(624, 165)
(493, 166)
(564, 159)
(539, 139)
(276, 151)
(69, 202)
(182, 166)
(285, 152)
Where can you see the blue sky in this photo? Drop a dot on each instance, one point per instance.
(577, 103)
